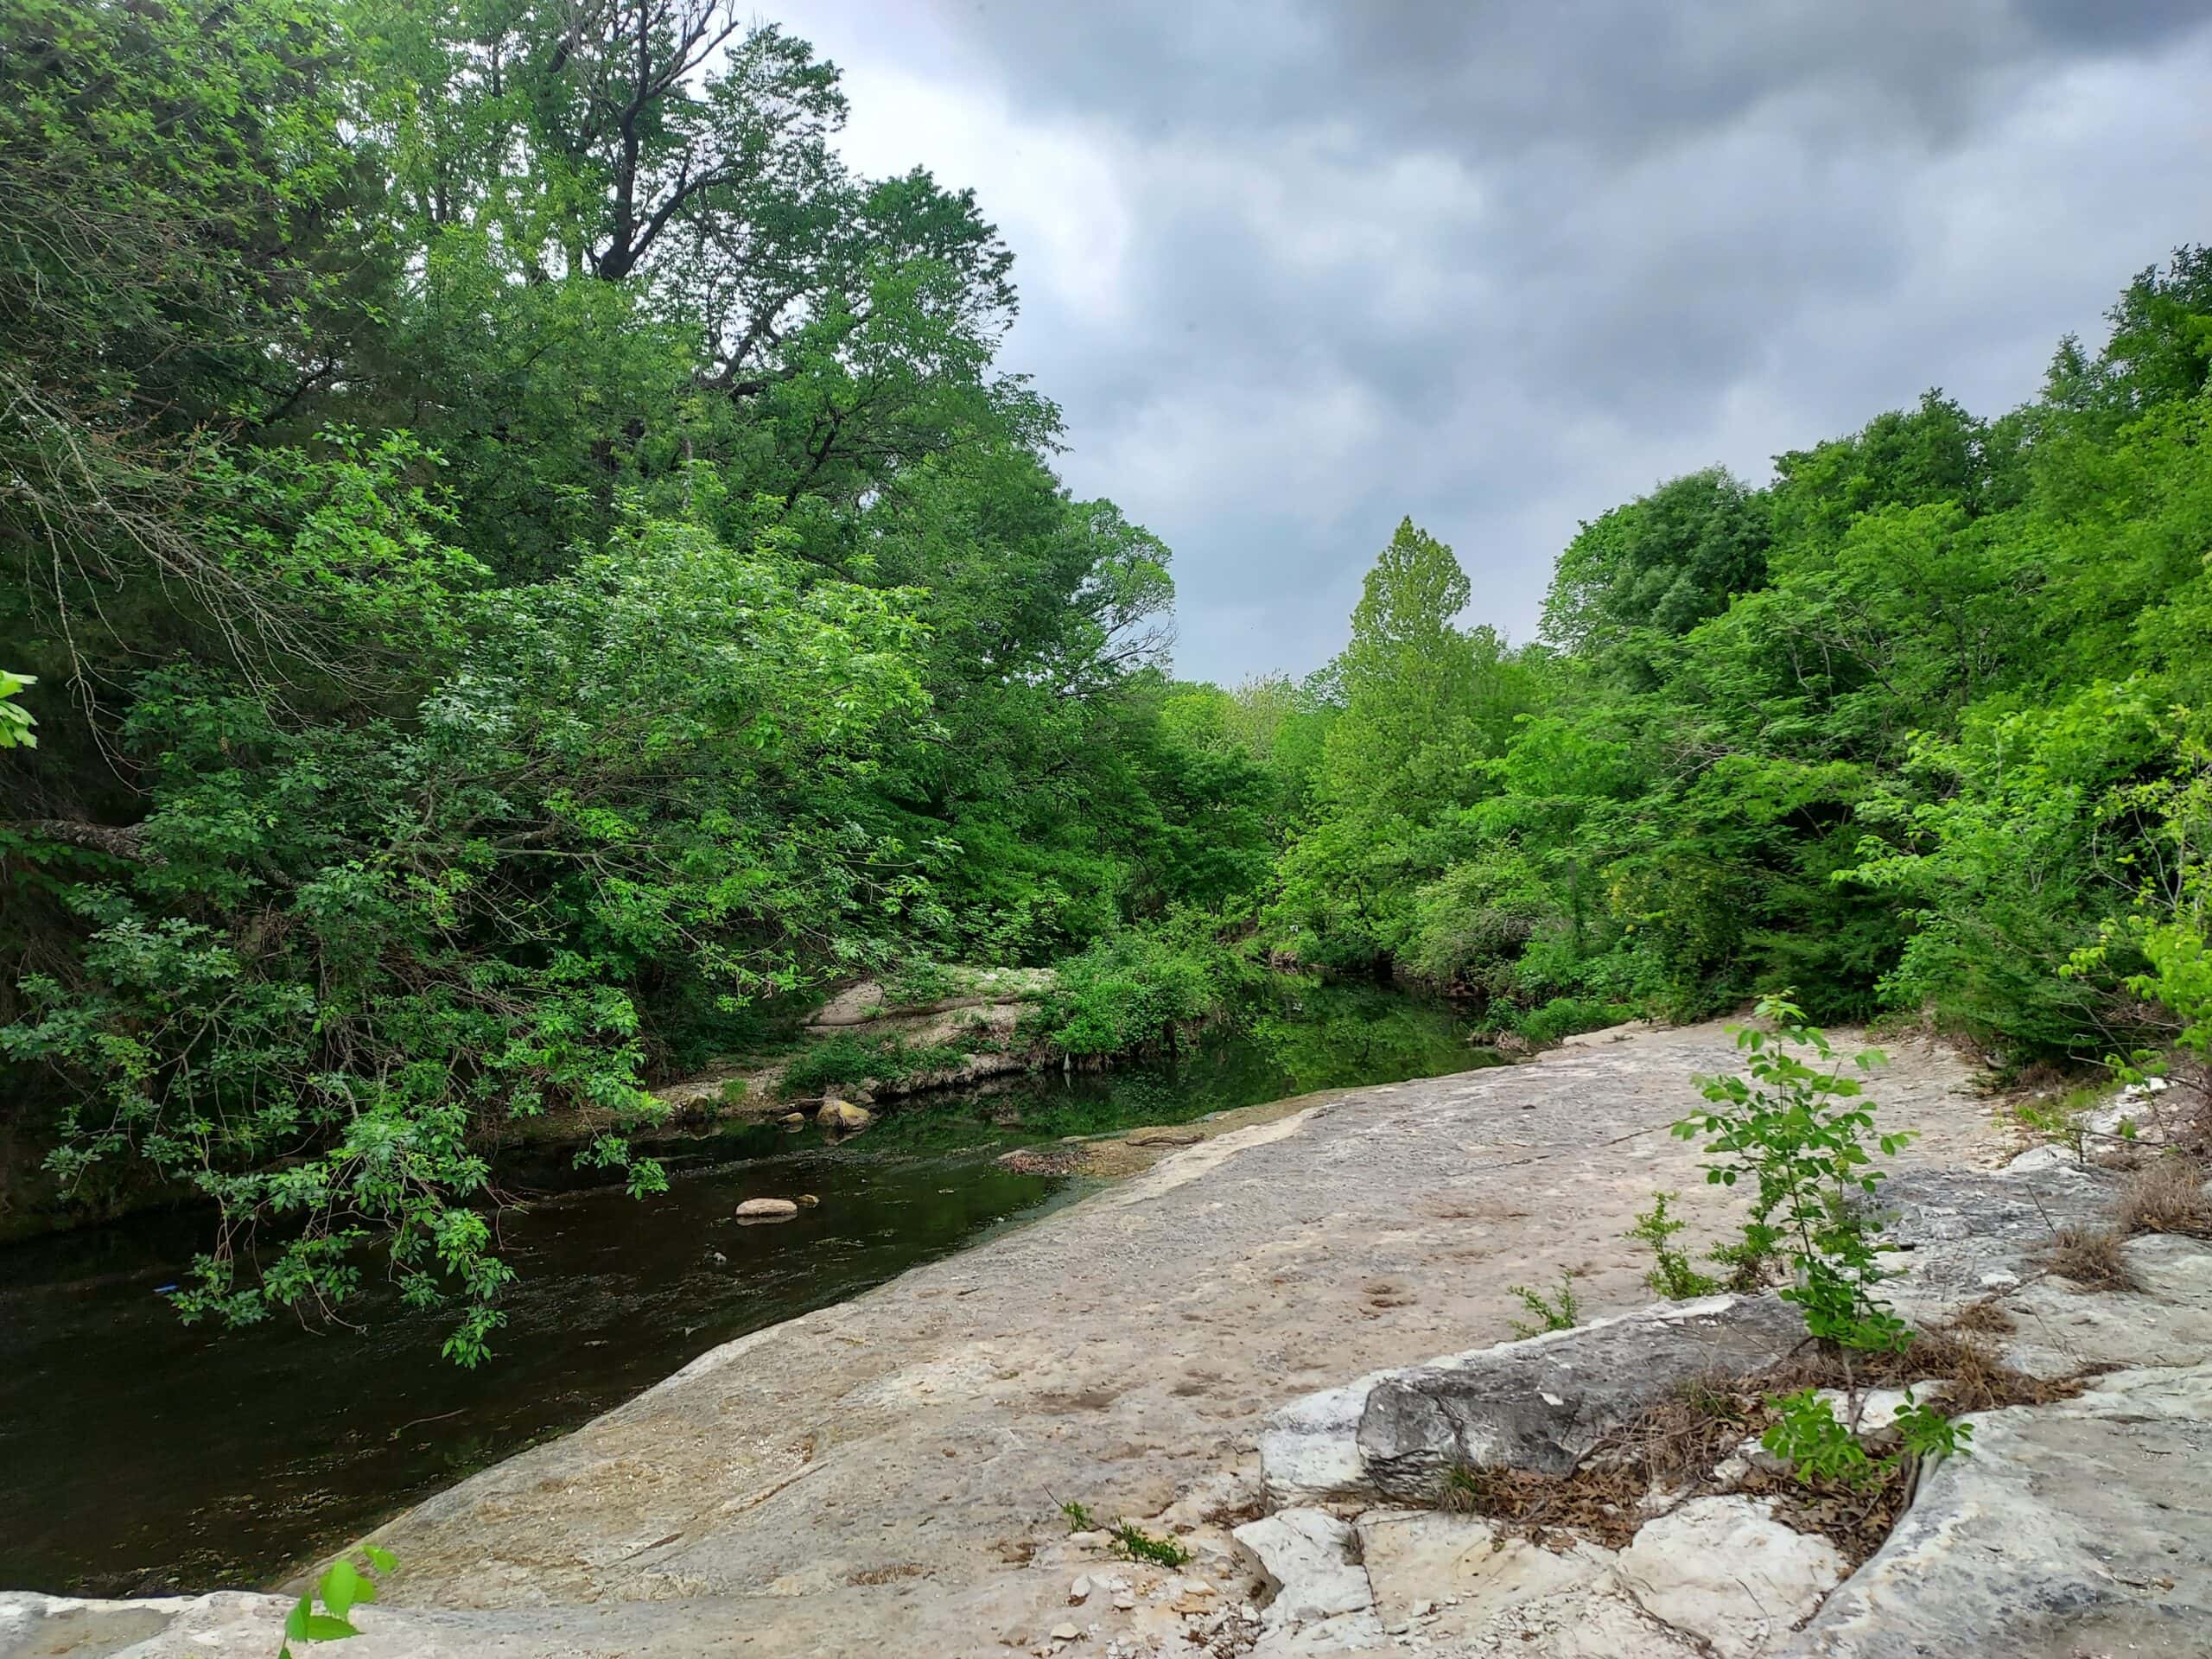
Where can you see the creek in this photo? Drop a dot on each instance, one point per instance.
(141, 1456)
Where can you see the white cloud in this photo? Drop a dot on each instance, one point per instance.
(1293, 271)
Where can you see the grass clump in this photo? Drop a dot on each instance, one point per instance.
(1985, 1317)
(2090, 1257)
(1139, 1545)
(2166, 1196)
(1078, 1517)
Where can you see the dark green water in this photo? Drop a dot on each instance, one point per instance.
(138, 1455)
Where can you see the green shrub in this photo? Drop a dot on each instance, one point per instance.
(1559, 1311)
(1141, 1546)
(1673, 1276)
(1797, 1129)
(1142, 987)
(1563, 1016)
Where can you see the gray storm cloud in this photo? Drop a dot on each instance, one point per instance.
(1296, 269)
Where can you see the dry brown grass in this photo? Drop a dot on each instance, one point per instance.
(1985, 1317)
(2166, 1196)
(1549, 1511)
(2090, 1257)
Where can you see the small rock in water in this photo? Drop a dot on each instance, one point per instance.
(718, 1258)
(766, 1210)
(793, 1119)
(842, 1115)
(806, 1201)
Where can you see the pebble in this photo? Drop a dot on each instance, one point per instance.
(1080, 1590)
(1064, 1632)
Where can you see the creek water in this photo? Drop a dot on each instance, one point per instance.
(139, 1455)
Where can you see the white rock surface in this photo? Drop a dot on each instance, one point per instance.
(1417, 1558)
(1309, 1449)
(1312, 1559)
(1726, 1571)
(1877, 1407)
(2073, 1528)
(2049, 1156)
(1581, 1623)
(1347, 1633)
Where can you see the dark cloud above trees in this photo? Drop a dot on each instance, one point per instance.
(1297, 269)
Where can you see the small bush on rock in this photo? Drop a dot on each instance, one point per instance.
(1673, 1277)
(1559, 1311)
(1797, 1130)
(1141, 1546)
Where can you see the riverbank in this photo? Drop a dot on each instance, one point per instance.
(890, 1469)
(120, 1482)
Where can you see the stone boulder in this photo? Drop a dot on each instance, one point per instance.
(843, 1117)
(1311, 1561)
(2073, 1528)
(1543, 1403)
(766, 1210)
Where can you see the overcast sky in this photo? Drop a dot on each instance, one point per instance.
(1296, 268)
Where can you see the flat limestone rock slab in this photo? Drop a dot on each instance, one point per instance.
(2060, 1328)
(240, 1624)
(1586, 1622)
(2073, 1528)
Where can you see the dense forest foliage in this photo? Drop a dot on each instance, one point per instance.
(521, 570)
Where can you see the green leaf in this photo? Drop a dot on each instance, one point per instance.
(340, 1586)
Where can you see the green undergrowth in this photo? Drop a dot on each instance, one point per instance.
(845, 1061)
(1142, 989)
(1565, 1016)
